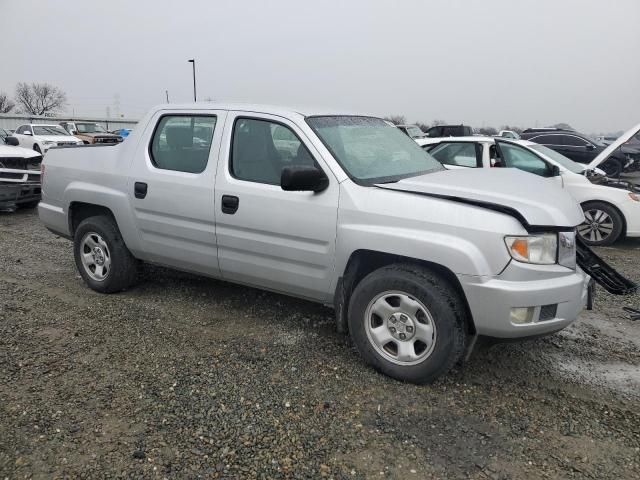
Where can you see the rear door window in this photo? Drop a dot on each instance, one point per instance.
(573, 141)
(182, 142)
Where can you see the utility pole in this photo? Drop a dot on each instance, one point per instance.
(193, 62)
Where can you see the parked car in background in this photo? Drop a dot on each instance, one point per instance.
(581, 148)
(508, 134)
(415, 259)
(41, 137)
(90, 132)
(4, 133)
(449, 131)
(412, 131)
(19, 176)
(611, 207)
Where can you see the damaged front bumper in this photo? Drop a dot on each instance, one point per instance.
(13, 195)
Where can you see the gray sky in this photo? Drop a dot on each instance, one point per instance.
(488, 62)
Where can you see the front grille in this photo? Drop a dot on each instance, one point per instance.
(62, 144)
(548, 312)
(106, 140)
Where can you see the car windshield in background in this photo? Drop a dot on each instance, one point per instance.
(370, 150)
(90, 128)
(49, 130)
(561, 159)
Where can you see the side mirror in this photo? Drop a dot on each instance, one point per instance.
(591, 147)
(27, 132)
(555, 170)
(303, 179)
(13, 141)
(73, 132)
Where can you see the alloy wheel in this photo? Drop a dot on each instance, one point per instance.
(95, 256)
(400, 328)
(597, 227)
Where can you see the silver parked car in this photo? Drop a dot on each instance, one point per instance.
(344, 210)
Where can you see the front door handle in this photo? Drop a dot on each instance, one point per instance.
(140, 189)
(230, 204)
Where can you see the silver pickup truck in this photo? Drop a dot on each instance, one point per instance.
(344, 210)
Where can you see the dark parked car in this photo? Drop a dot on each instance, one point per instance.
(449, 131)
(581, 148)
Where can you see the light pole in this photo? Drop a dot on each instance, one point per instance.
(193, 62)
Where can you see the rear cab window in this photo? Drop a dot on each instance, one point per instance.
(181, 142)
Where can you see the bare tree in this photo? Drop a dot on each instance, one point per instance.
(564, 126)
(6, 104)
(518, 130)
(423, 126)
(487, 131)
(396, 119)
(40, 98)
(438, 122)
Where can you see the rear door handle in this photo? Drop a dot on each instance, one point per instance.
(140, 189)
(230, 204)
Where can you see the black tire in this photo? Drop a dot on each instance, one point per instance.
(33, 204)
(443, 303)
(609, 227)
(123, 271)
(36, 147)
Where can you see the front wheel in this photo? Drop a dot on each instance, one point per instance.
(407, 322)
(103, 260)
(602, 224)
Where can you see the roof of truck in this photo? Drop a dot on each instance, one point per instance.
(258, 108)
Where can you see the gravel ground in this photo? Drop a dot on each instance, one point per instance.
(187, 377)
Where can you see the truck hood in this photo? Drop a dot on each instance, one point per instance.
(621, 140)
(536, 202)
(9, 151)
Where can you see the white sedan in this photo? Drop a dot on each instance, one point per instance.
(41, 137)
(611, 207)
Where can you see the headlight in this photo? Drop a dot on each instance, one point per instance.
(539, 249)
(48, 142)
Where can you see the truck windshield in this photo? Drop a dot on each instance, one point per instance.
(370, 150)
(90, 128)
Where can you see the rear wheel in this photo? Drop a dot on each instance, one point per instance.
(603, 224)
(102, 258)
(407, 322)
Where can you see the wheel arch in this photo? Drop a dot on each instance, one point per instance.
(362, 262)
(79, 211)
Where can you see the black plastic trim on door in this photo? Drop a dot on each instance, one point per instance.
(230, 204)
(140, 189)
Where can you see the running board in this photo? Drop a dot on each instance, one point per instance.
(601, 272)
